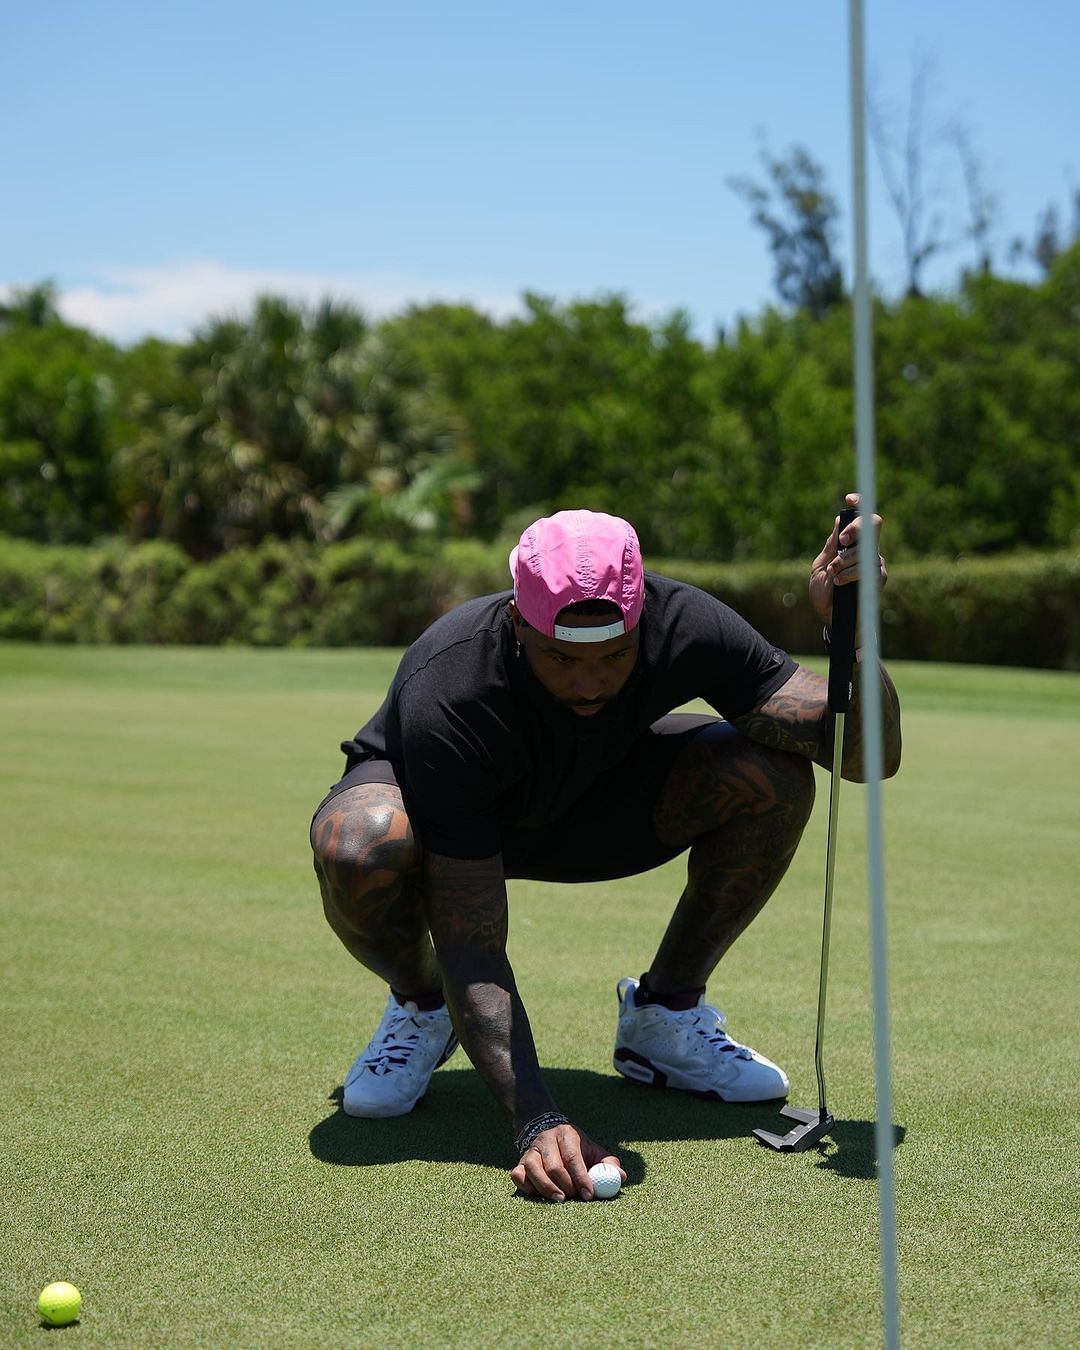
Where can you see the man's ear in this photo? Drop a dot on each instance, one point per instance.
(519, 623)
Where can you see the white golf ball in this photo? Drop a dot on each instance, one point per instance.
(607, 1183)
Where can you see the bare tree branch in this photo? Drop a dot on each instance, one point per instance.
(903, 163)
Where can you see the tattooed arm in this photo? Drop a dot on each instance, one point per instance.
(467, 916)
(465, 902)
(797, 718)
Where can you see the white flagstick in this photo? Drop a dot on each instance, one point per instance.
(871, 688)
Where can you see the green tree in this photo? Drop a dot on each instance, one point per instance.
(978, 415)
(56, 434)
(583, 405)
(29, 307)
(270, 420)
(798, 215)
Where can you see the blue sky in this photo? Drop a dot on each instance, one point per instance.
(166, 163)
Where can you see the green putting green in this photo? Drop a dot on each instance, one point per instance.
(177, 1019)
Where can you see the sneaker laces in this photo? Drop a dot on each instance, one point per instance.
(710, 1024)
(392, 1049)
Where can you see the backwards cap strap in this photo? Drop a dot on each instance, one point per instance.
(611, 630)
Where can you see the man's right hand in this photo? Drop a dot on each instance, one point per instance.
(556, 1165)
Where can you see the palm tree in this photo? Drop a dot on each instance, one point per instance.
(299, 423)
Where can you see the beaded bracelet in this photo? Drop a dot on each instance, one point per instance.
(528, 1134)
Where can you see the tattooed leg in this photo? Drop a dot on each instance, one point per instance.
(368, 864)
(742, 807)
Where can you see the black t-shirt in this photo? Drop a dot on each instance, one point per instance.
(477, 742)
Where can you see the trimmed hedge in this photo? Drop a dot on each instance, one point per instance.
(1020, 611)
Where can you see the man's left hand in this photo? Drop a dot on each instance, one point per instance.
(838, 562)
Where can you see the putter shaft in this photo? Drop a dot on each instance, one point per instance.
(826, 922)
(814, 1125)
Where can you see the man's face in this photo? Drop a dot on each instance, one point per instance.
(582, 676)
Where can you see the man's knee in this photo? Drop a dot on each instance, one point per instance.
(364, 847)
(722, 775)
(793, 779)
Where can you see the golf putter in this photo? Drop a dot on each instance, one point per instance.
(814, 1125)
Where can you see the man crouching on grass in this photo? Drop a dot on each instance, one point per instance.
(531, 734)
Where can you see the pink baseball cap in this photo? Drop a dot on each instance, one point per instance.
(578, 555)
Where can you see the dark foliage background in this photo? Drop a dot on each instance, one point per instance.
(341, 480)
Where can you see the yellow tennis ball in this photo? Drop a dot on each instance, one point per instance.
(59, 1304)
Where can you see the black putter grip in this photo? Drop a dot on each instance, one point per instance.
(842, 634)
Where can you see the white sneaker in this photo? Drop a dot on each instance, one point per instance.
(392, 1073)
(690, 1050)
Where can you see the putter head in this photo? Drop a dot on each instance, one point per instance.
(814, 1126)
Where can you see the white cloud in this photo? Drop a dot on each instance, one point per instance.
(168, 300)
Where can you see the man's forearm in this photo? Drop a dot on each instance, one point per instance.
(494, 1029)
(854, 766)
(797, 718)
(466, 907)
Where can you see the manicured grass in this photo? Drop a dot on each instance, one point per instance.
(177, 1019)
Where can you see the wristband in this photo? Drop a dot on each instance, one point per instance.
(528, 1134)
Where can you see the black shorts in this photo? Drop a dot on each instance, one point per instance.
(610, 831)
